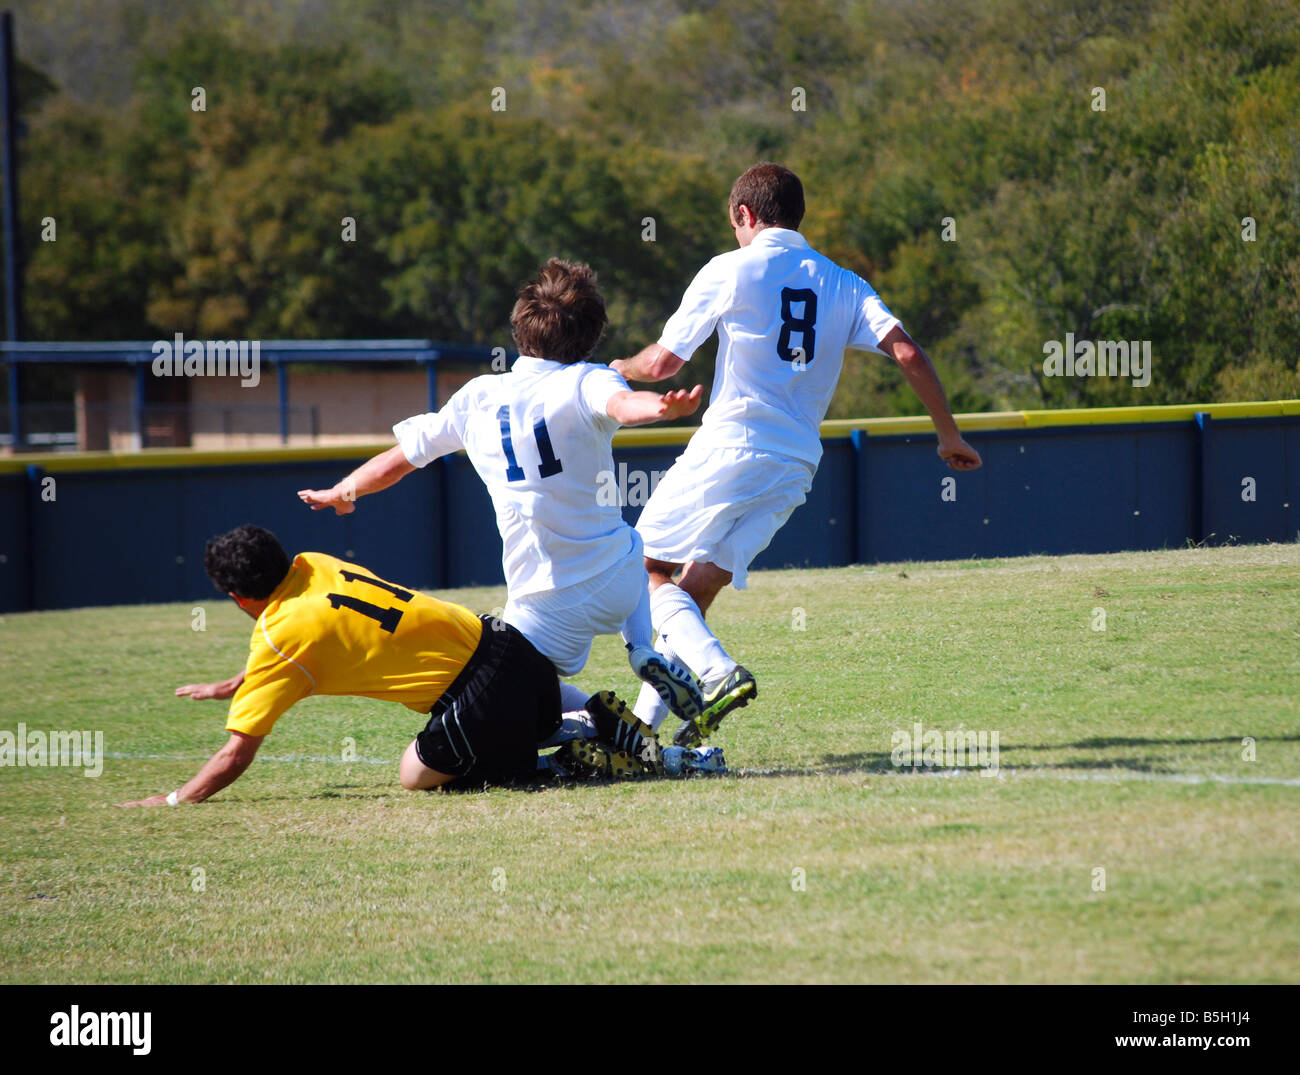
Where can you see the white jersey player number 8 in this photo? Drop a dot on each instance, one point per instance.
(775, 295)
(806, 326)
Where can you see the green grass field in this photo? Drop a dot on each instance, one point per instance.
(816, 860)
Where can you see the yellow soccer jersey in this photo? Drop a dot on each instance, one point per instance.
(335, 628)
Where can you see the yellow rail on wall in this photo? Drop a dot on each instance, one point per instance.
(161, 458)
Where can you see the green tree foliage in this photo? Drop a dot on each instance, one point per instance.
(954, 153)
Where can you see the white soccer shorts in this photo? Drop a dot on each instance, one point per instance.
(562, 623)
(722, 506)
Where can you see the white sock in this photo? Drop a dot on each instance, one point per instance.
(575, 725)
(681, 626)
(637, 629)
(650, 707)
(572, 697)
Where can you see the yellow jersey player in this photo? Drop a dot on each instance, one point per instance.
(326, 626)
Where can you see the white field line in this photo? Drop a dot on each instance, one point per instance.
(1108, 776)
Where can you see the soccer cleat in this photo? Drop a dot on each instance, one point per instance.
(737, 690)
(562, 763)
(617, 725)
(674, 684)
(589, 759)
(679, 761)
(598, 759)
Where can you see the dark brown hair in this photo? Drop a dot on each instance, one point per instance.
(772, 192)
(247, 562)
(560, 314)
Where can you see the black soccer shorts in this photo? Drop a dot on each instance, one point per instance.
(486, 726)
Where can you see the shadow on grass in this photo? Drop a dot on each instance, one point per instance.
(1102, 743)
(881, 762)
(358, 791)
(348, 793)
(874, 762)
(345, 791)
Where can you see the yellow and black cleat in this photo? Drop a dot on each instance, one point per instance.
(601, 760)
(622, 729)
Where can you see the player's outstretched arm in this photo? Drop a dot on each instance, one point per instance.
(655, 363)
(221, 770)
(925, 382)
(385, 469)
(203, 691)
(641, 408)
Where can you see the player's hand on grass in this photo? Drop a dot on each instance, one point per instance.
(959, 455)
(153, 800)
(337, 498)
(203, 691)
(679, 402)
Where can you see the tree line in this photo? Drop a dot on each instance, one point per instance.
(1003, 174)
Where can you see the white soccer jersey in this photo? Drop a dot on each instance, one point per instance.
(539, 437)
(785, 315)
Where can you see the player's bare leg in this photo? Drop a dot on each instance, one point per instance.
(415, 775)
(702, 580)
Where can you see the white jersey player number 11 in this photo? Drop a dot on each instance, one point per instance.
(550, 465)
